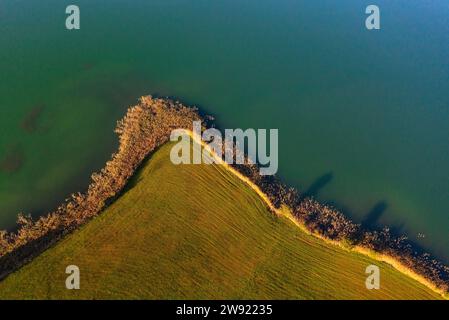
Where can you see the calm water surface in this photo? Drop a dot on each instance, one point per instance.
(363, 116)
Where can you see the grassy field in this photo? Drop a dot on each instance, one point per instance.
(196, 231)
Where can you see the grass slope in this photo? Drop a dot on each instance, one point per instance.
(199, 232)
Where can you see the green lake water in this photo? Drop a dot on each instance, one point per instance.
(363, 116)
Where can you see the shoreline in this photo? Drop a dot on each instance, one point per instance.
(286, 212)
(146, 127)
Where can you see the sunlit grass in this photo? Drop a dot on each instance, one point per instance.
(197, 231)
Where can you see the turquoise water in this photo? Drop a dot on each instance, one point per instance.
(363, 116)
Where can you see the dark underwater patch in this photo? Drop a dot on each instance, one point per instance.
(30, 122)
(13, 159)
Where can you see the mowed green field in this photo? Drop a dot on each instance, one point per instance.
(198, 232)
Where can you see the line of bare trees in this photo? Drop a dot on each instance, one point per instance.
(145, 127)
(333, 225)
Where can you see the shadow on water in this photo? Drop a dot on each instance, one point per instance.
(318, 185)
(372, 218)
(398, 229)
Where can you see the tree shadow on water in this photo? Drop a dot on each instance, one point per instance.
(318, 185)
(372, 218)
